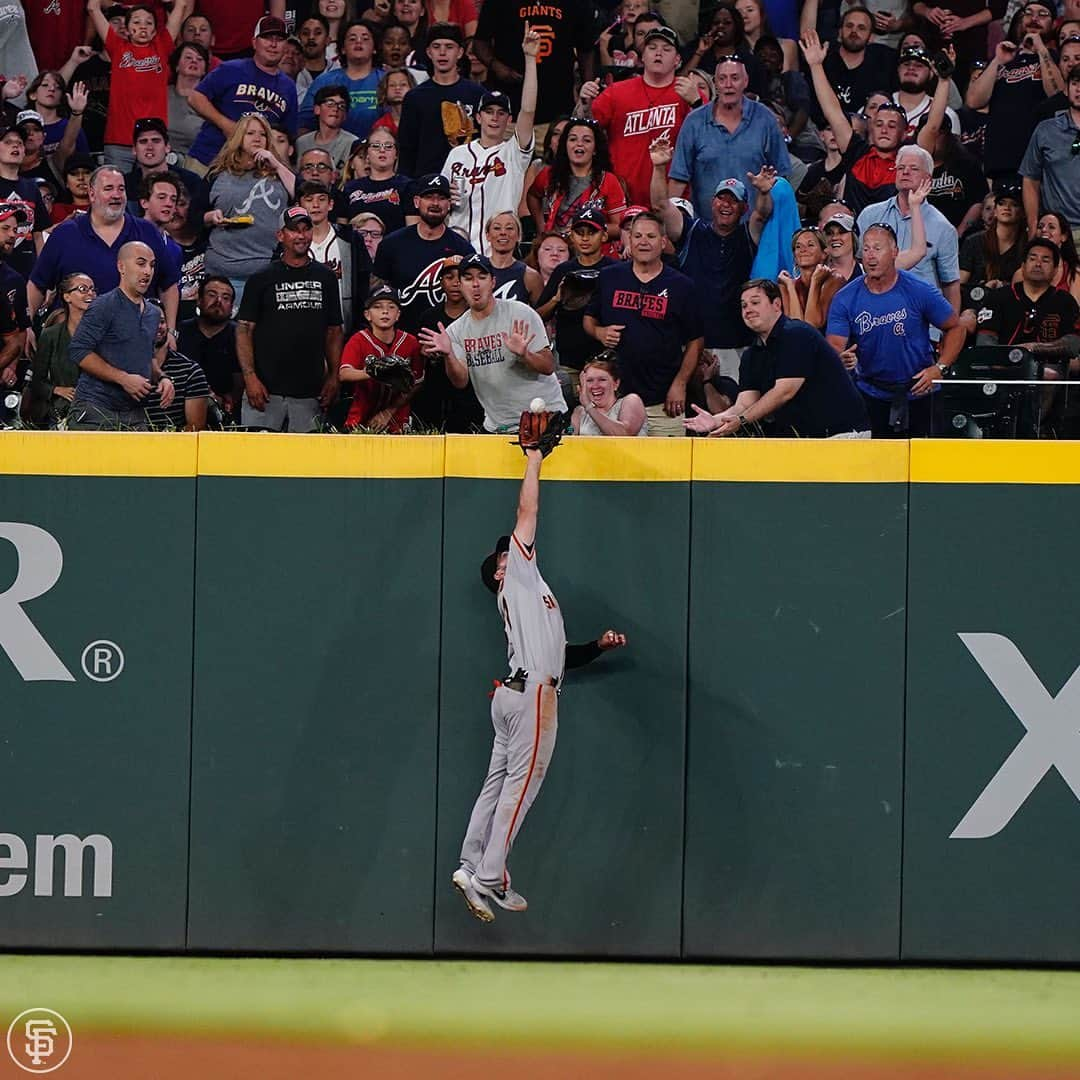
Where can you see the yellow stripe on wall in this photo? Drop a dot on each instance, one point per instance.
(826, 461)
(987, 461)
(492, 457)
(348, 456)
(92, 453)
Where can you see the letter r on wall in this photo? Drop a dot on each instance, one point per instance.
(40, 564)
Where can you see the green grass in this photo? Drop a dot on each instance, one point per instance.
(909, 1014)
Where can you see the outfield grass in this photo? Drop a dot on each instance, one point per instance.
(905, 1014)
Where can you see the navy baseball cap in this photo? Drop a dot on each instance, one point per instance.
(916, 53)
(79, 163)
(490, 564)
(294, 217)
(475, 261)
(592, 216)
(494, 98)
(433, 183)
(382, 292)
(30, 116)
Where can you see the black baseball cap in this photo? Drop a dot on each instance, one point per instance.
(496, 98)
(475, 261)
(433, 182)
(8, 129)
(445, 32)
(662, 33)
(150, 123)
(491, 563)
(382, 292)
(85, 162)
(294, 217)
(270, 24)
(592, 216)
(918, 53)
(1008, 187)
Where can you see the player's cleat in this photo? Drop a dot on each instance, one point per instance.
(505, 898)
(465, 884)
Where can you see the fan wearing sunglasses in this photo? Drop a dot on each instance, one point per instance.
(1051, 165)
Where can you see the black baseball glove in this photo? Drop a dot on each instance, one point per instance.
(392, 371)
(541, 431)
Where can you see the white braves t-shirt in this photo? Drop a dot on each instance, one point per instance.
(494, 179)
(504, 383)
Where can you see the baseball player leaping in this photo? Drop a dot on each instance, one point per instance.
(524, 707)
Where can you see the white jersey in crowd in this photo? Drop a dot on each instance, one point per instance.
(490, 181)
(504, 384)
(535, 635)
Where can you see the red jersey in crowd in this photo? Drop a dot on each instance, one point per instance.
(140, 83)
(633, 114)
(55, 28)
(233, 22)
(371, 397)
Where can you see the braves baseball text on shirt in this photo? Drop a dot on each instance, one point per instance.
(143, 63)
(484, 350)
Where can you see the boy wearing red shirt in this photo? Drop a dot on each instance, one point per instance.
(139, 83)
(635, 111)
(376, 406)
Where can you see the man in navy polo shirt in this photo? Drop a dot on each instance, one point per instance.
(880, 324)
(114, 348)
(90, 243)
(242, 86)
(649, 314)
(791, 382)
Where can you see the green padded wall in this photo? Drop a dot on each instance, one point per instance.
(316, 682)
(600, 856)
(93, 749)
(991, 559)
(795, 711)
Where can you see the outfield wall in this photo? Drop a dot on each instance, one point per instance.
(243, 683)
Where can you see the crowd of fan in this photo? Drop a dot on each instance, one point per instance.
(792, 221)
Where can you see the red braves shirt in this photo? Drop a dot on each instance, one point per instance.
(371, 397)
(233, 22)
(140, 83)
(634, 114)
(55, 28)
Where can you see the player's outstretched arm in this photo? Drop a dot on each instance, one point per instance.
(580, 655)
(529, 499)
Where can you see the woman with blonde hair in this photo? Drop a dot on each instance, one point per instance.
(602, 411)
(250, 188)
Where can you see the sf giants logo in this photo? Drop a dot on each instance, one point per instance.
(40, 564)
(1051, 737)
(547, 40)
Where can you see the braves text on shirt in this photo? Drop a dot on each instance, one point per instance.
(650, 307)
(479, 352)
(865, 322)
(254, 92)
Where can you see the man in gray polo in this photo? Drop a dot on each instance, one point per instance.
(1051, 166)
(114, 349)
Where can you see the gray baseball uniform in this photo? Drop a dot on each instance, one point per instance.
(525, 722)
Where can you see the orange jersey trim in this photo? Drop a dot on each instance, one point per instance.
(529, 555)
(528, 775)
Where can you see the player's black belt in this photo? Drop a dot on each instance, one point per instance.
(519, 678)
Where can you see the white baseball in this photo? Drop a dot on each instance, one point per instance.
(536, 405)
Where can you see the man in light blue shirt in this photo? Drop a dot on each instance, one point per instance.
(940, 266)
(733, 137)
(1051, 165)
